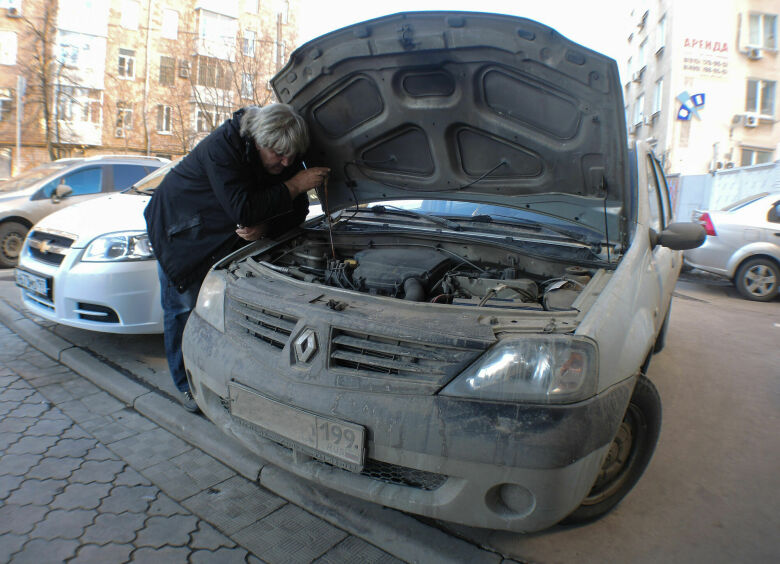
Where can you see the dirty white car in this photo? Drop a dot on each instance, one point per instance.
(465, 335)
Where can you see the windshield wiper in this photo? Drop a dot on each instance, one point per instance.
(382, 209)
(538, 226)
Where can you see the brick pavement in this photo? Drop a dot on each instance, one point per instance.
(85, 478)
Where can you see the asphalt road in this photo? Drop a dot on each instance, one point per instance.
(712, 490)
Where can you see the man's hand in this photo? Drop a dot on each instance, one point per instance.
(253, 232)
(307, 180)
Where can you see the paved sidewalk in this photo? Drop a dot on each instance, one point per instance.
(84, 478)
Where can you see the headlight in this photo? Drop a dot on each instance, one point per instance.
(550, 369)
(130, 245)
(211, 300)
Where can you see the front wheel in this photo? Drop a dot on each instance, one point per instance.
(12, 236)
(628, 455)
(757, 279)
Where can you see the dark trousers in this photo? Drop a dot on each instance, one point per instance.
(176, 310)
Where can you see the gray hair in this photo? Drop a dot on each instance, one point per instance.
(277, 127)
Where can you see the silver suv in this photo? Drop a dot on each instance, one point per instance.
(34, 194)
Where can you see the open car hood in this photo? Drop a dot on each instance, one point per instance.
(460, 105)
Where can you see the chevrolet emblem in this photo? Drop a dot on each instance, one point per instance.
(44, 246)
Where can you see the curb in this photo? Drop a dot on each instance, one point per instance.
(395, 532)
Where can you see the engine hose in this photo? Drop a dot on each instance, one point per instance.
(413, 290)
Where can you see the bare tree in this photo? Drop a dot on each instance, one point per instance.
(41, 71)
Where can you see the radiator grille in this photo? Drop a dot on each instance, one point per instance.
(382, 355)
(263, 324)
(50, 248)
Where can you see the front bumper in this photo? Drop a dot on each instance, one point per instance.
(119, 297)
(485, 464)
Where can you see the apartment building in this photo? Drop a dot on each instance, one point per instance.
(87, 77)
(701, 82)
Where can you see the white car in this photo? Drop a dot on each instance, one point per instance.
(91, 266)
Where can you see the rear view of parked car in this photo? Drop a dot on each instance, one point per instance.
(743, 245)
(36, 193)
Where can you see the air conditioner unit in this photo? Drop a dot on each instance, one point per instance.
(184, 69)
(13, 12)
(751, 120)
(754, 53)
(120, 132)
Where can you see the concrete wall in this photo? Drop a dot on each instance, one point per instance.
(717, 190)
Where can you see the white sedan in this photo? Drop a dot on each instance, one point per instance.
(91, 265)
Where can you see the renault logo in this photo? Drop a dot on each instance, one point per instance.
(305, 345)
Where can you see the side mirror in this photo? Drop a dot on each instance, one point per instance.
(61, 191)
(679, 236)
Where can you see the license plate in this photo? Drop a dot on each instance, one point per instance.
(33, 282)
(334, 441)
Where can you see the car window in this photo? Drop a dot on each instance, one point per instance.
(774, 213)
(126, 175)
(653, 197)
(28, 177)
(739, 204)
(83, 181)
(663, 190)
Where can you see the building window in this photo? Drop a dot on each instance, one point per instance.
(658, 96)
(248, 43)
(642, 56)
(167, 70)
(214, 73)
(7, 48)
(763, 31)
(164, 114)
(661, 31)
(247, 85)
(210, 117)
(6, 104)
(124, 118)
(130, 12)
(91, 106)
(170, 24)
(755, 156)
(760, 97)
(217, 34)
(639, 113)
(126, 63)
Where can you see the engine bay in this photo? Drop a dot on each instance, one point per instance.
(421, 270)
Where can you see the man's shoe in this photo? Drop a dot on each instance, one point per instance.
(188, 402)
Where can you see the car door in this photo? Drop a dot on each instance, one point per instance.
(666, 262)
(86, 182)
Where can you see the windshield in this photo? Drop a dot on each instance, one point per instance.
(149, 183)
(28, 177)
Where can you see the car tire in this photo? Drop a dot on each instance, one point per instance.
(757, 279)
(628, 455)
(12, 236)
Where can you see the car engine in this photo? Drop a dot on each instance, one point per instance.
(436, 272)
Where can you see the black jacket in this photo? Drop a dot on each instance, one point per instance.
(192, 216)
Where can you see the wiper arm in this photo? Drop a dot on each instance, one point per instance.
(136, 190)
(380, 209)
(537, 226)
